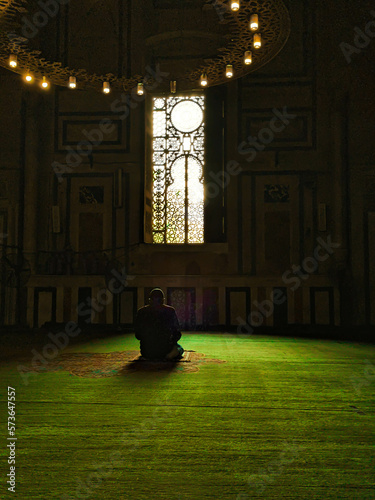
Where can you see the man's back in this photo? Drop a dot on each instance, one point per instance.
(156, 326)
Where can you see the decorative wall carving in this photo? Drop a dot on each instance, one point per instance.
(276, 193)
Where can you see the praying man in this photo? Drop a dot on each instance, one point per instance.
(157, 328)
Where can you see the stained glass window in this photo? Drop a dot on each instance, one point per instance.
(177, 162)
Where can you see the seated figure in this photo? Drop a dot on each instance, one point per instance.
(157, 327)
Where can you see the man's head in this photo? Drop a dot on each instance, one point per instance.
(156, 297)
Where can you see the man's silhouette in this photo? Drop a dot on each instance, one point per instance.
(157, 327)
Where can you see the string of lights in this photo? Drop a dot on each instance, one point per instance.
(257, 32)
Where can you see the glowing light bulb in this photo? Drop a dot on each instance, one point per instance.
(45, 84)
(229, 71)
(248, 58)
(257, 41)
(106, 87)
(72, 82)
(254, 22)
(13, 61)
(140, 89)
(235, 5)
(203, 80)
(29, 78)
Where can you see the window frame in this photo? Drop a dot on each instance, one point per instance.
(215, 209)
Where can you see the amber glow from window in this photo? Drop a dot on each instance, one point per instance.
(177, 163)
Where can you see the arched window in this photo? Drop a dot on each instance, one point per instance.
(178, 142)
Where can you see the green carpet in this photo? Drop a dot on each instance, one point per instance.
(280, 418)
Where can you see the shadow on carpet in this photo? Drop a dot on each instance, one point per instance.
(97, 365)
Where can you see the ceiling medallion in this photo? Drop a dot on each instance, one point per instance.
(253, 35)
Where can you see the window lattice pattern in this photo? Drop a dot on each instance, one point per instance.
(178, 156)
